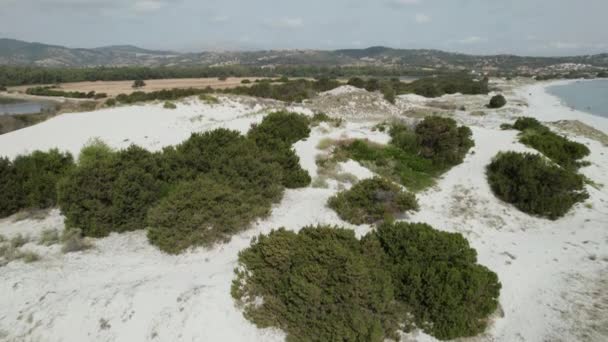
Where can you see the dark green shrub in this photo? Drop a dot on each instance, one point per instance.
(12, 198)
(39, 173)
(525, 123)
(372, 200)
(389, 93)
(245, 82)
(317, 285)
(413, 157)
(560, 149)
(320, 117)
(205, 211)
(535, 185)
(357, 82)
(287, 128)
(111, 102)
(442, 141)
(52, 91)
(110, 191)
(30, 181)
(275, 135)
(437, 277)
(138, 83)
(497, 101)
(322, 284)
(446, 84)
(169, 105)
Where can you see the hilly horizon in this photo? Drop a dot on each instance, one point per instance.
(21, 53)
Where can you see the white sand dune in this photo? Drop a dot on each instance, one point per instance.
(126, 290)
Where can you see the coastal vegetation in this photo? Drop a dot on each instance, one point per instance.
(138, 83)
(497, 101)
(169, 105)
(324, 284)
(161, 95)
(559, 149)
(53, 91)
(415, 156)
(30, 181)
(197, 193)
(25, 75)
(535, 185)
(372, 200)
(428, 87)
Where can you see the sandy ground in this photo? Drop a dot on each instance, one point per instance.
(554, 273)
(113, 88)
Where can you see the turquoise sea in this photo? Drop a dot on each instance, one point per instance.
(587, 96)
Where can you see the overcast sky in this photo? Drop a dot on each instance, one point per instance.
(530, 27)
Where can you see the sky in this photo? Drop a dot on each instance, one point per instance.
(524, 27)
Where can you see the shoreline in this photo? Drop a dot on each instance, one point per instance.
(548, 107)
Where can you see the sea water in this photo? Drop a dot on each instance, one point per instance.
(588, 96)
(25, 107)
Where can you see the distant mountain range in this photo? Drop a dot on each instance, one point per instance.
(15, 52)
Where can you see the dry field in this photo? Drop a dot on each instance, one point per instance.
(113, 88)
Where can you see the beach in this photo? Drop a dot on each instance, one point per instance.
(554, 274)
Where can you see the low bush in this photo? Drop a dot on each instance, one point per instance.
(437, 277)
(205, 211)
(12, 198)
(317, 285)
(139, 83)
(280, 127)
(52, 91)
(442, 141)
(208, 99)
(497, 101)
(73, 241)
(169, 105)
(222, 179)
(30, 181)
(161, 95)
(428, 87)
(560, 149)
(372, 200)
(323, 284)
(111, 102)
(535, 185)
(525, 123)
(245, 82)
(49, 237)
(275, 136)
(414, 157)
(110, 191)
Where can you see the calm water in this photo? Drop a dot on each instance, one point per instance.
(587, 96)
(25, 107)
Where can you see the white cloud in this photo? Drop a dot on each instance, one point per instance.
(97, 5)
(397, 4)
(148, 5)
(405, 2)
(472, 40)
(287, 23)
(422, 18)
